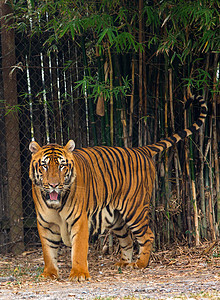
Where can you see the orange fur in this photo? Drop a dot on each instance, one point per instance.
(80, 190)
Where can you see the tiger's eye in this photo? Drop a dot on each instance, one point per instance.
(44, 165)
(62, 166)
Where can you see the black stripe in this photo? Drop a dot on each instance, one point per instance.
(199, 122)
(47, 228)
(43, 218)
(193, 128)
(154, 148)
(182, 134)
(92, 152)
(64, 199)
(75, 220)
(139, 218)
(51, 241)
(141, 231)
(121, 236)
(109, 211)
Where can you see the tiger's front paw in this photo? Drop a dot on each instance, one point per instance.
(79, 275)
(121, 264)
(53, 274)
(138, 265)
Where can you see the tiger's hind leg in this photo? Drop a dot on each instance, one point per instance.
(123, 233)
(145, 241)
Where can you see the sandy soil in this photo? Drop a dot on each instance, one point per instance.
(179, 273)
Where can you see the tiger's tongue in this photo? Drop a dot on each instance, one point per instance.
(53, 196)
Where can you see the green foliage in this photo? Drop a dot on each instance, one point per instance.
(72, 18)
(189, 27)
(199, 79)
(181, 29)
(102, 89)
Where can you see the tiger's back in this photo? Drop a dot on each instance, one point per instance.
(113, 175)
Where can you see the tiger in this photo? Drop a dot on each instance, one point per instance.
(77, 192)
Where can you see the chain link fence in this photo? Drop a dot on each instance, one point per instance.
(41, 99)
(47, 109)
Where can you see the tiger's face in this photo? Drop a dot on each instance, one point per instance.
(52, 170)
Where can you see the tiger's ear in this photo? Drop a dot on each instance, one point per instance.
(70, 146)
(34, 147)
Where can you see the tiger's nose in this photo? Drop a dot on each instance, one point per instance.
(53, 184)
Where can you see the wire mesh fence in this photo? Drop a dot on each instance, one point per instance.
(48, 109)
(42, 99)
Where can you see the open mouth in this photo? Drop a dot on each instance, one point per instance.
(53, 196)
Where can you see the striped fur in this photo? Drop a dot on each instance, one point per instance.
(77, 191)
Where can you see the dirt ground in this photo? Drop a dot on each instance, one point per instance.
(177, 273)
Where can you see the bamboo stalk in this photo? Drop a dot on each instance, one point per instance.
(201, 184)
(176, 157)
(201, 172)
(107, 126)
(188, 192)
(56, 108)
(131, 104)
(111, 97)
(166, 177)
(211, 204)
(121, 124)
(193, 185)
(195, 209)
(156, 185)
(215, 142)
(187, 183)
(156, 106)
(91, 109)
(140, 86)
(101, 79)
(145, 98)
(211, 221)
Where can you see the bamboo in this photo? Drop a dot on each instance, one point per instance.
(121, 124)
(176, 157)
(76, 107)
(145, 98)
(188, 192)
(48, 90)
(201, 172)
(55, 98)
(156, 106)
(187, 181)
(45, 100)
(107, 124)
(101, 79)
(215, 142)
(61, 93)
(211, 204)
(111, 97)
(68, 55)
(201, 184)
(91, 109)
(193, 185)
(131, 104)
(166, 177)
(156, 186)
(140, 86)
(100, 107)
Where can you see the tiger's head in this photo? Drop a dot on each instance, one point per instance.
(52, 170)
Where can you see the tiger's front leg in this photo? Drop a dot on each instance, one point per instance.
(50, 239)
(80, 245)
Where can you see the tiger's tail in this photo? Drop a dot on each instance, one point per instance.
(175, 138)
